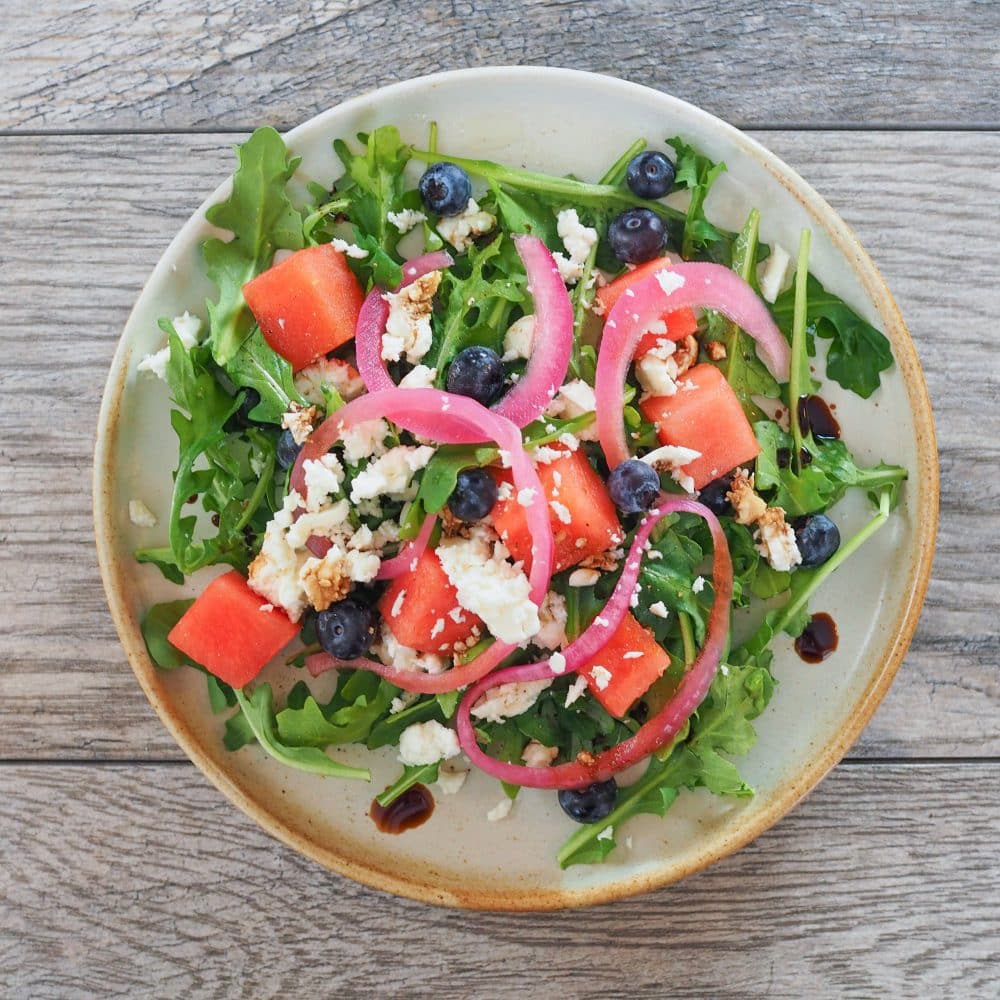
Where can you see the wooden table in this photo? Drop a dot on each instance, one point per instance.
(123, 872)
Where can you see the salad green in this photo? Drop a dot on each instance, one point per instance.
(232, 394)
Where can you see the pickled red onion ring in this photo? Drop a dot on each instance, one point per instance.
(412, 550)
(449, 419)
(547, 365)
(660, 729)
(375, 313)
(553, 340)
(699, 285)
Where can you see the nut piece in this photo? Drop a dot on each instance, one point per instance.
(748, 506)
(716, 350)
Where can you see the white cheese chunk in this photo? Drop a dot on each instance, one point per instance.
(140, 515)
(427, 743)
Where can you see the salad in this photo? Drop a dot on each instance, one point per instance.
(511, 453)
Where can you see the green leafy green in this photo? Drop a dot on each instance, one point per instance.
(821, 483)
(257, 366)
(696, 174)
(258, 712)
(858, 353)
(359, 703)
(156, 626)
(412, 774)
(262, 219)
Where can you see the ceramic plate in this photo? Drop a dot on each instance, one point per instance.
(559, 121)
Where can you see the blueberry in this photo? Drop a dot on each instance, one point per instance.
(474, 495)
(346, 629)
(634, 486)
(637, 235)
(241, 418)
(477, 372)
(590, 804)
(650, 175)
(713, 496)
(817, 538)
(287, 450)
(445, 189)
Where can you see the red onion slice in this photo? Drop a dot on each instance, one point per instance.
(553, 341)
(659, 730)
(698, 285)
(409, 553)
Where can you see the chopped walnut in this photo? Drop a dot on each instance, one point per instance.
(300, 421)
(748, 506)
(453, 527)
(606, 562)
(716, 350)
(686, 354)
(324, 582)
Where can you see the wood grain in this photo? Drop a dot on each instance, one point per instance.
(877, 886)
(178, 64)
(66, 688)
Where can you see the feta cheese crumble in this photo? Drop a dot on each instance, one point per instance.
(659, 609)
(323, 477)
(698, 586)
(519, 339)
(365, 440)
(330, 372)
(349, 249)
(576, 689)
(406, 219)
(508, 700)
(557, 663)
(669, 281)
(578, 240)
(420, 377)
(461, 230)
(451, 777)
(601, 676)
(489, 586)
(500, 811)
(537, 754)
(390, 473)
(299, 420)
(188, 330)
(140, 515)
(408, 326)
(583, 578)
(394, 654)
(427, 743)
(772, 273)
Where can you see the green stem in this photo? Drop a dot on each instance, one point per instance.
(687, 638)
(432, 138)
(411, 776)
(790, 610)
(798, 348)
(259, 492)
(616, 172)
(575, 192)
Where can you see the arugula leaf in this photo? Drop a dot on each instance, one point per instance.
(262, 220)
(258, 711)
(697, 174)
(822, 482)
(858, 352)
(412, 774)
(162, 557)
(220, 695)
(342, 720)
(256, 365)
(496, 278)
(520, 212)
(156, 626)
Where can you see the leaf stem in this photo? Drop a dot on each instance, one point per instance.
(798, 348)
(687, 638)
(790, 610)
(574, 191)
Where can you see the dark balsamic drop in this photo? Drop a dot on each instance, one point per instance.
(411, 809)
(818, 640)
(815, 416)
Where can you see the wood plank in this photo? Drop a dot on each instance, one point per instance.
(184, 64)
(125, 881)
(72, 265)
